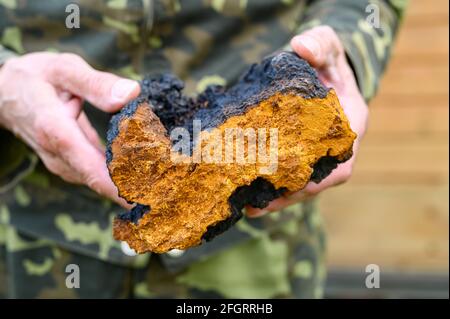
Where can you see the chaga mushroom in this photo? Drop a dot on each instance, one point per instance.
(188, 194)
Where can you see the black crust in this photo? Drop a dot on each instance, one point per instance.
(258, 194)
(323, 168)
(136, 213)
(281, 73)
(284, 72)
(164, 95)
(214, 106)
(261, 192)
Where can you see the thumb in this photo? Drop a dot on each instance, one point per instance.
(105, 91)
(318, 46)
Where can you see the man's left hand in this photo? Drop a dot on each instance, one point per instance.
(321, 47)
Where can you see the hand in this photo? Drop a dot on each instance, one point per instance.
(322, 48)
(41, 97)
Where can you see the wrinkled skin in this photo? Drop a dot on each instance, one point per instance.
(321, 47)
(41, 97)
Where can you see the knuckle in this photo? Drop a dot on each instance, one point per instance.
(69, 58)
(328, 38)
(61, 143)
(10, 63)
(99, 83)
(52, 165)
(41, 139)
(63, 64)
(94, 82)
(42, 134)
(323, 31)
(50, 138)
(326, 29)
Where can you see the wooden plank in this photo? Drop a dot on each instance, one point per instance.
(426, 20)
(401, 227)
(383, 160)
(404, 60)
(403, 152)
(384, 139)
(393, 178)
(431, 80)
(427, 7)
(400, 100)
(426, 13)
(415, 118)
(423, 40)
(411, 158)
(394, 210)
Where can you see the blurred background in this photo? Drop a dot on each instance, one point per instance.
(394, 212)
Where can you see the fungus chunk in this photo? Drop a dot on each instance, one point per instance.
(291, 129)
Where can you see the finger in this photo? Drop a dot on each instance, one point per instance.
(58, 167)
(252, 212)
(73, 107)
(60, 135)
(73, 104)
(90, 132)
(88, 162)
(59, 141)
(338, 176)
(63, 95)
(275, 205)
(318, 46)
(106, 91)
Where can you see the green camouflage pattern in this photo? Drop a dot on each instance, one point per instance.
(47, 224)
(286, 262)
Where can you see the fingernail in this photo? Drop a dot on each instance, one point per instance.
(310, 43)
(261, 213)
(127, 250)
(123, 88)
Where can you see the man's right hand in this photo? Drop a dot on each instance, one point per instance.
(41, 97)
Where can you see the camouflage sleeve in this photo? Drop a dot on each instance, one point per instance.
(16, 162)
(16, 158)
(5, 54)
(367, 29)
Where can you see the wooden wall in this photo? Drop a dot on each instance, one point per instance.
(395, 210)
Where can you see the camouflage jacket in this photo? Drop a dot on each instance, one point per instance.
(203, 42)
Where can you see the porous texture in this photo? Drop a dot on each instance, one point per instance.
(183, 202)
